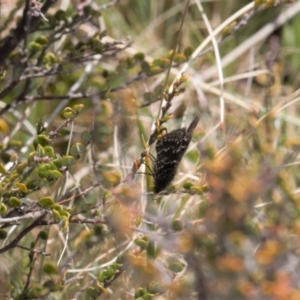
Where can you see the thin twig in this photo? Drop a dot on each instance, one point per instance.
(33, 250)
(12, 40)
(80, 194)
(15, 242)
(15, 219)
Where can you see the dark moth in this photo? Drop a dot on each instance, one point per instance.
(169, 152)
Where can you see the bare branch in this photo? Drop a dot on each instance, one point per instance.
(12, 40)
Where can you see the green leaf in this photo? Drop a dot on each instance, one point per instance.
(156, 288)
(96, 45)
(187, 185)
(148, 296)
(145, 67)
(180, 58)
(98, 230)
(40, 152)
(53, 174)
(68, 113)
(68, 161)
(155, 70)
(103, 276)
(31, 157)
(188, 51)
(140, 56)
(49, 151)
(22, 187)
(13, 202)
(150, 97)
(140, 292)
(43, 40)
(57, 207)
(159, 90)
(116, 80)
(161, 62)
(86, 136)
(177, 225)
(176, 267)
(91, 291)
(60, 15)
(3, 234)
(78, 107)
(35, 47)
(43, 169)
(141, 242)
(56, 214)
(42, 140)
(77, 150)
(3, 126)
(50, 267)
(15, 144)
(49, 59)
(36, 291)
(2, 169)
(46, 202)
(43, 235)
(20, 167)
